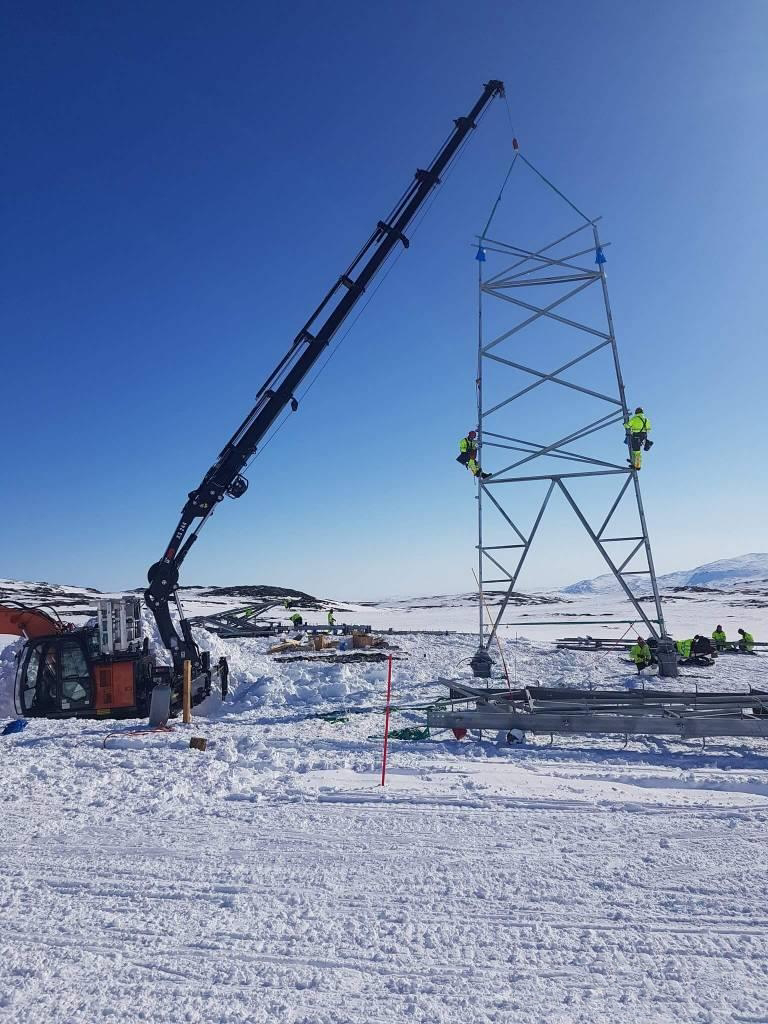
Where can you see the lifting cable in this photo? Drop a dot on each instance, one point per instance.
(498, 197)
(515, 147)
(555, 189)
(536, 171)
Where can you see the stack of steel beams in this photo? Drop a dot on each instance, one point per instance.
(542, 710)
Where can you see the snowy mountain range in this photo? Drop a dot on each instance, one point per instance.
(723, 575)
(745, 574)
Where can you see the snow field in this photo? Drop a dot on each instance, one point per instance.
(307, 912)
(272, 879)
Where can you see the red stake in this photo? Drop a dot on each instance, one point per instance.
(386, 722)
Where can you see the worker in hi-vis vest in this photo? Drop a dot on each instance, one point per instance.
(697, 647)
(718, 635)
(747, 641)
(641, 654)
(637, 427)
(468, 455)
(684, 648)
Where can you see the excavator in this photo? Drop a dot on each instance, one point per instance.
(106, 668)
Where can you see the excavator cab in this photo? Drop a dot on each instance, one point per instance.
(101, 670)
(55, 677)
(67, 675)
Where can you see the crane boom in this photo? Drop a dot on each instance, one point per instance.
(278, 391)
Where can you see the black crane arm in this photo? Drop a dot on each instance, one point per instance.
(225, 476)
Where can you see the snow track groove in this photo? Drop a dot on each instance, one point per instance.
(340, 920)
(271, 879)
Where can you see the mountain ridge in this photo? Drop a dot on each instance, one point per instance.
(722, 576)
(725, 572)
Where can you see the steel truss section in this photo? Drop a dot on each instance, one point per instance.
(557, 274)
(543, 710)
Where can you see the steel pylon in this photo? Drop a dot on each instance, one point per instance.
(522, 290)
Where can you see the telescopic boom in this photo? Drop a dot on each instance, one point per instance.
(225, 476)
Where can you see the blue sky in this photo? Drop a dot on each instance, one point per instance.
(184, 181)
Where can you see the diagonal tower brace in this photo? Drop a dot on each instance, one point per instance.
(549, 274)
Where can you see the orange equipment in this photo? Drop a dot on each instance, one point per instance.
(66, 672)
(17, 620)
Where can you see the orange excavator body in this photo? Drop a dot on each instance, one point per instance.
(61, 672)
(29, 622)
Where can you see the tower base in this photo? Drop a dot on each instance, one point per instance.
(481, 664)
(666, 655)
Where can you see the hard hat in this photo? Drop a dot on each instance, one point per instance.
(638, 409)
(719, 628)
(472, 433)
(739, 630)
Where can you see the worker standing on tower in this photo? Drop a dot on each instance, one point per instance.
(468, 455)
(637, 427)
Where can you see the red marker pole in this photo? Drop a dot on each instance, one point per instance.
(386, 722)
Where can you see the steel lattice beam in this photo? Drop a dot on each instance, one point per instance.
(494, 420)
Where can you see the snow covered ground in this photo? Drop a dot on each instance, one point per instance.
(271, 878)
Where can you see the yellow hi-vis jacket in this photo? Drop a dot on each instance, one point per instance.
(467, 444)
(640, 653)
(718, 636)
(748, 640)
(638, 424)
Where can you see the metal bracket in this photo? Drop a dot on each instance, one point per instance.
(389, 230)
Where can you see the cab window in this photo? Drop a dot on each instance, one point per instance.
(75, 678)
(39, 689)
(29, 687)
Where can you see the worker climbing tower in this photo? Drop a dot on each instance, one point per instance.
(551, 405)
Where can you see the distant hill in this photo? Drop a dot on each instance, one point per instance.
(74, 603)
(746, 575)
(492, 597)
(722, 575)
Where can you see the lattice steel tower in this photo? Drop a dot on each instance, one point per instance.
(555, 298)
